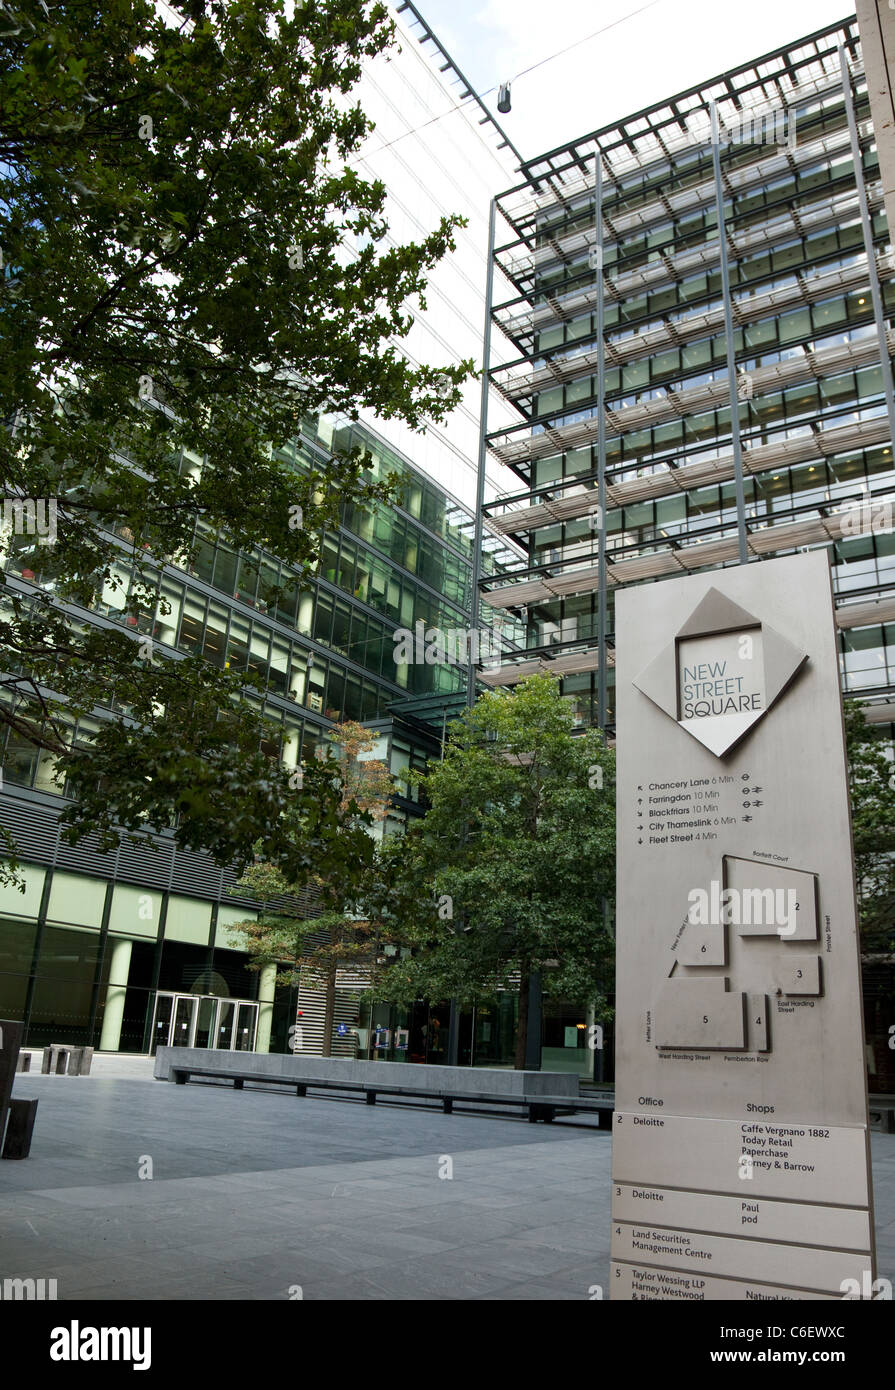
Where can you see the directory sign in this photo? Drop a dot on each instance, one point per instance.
(740, 1151)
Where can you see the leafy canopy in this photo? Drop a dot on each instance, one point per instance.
(872, 778)
(190, 265)
(342, 932)
(509, 869)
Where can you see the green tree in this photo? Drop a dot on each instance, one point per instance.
(343, 934)
(509, 869)
(872, 780)
(189, 267)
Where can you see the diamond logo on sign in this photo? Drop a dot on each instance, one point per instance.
(721, 674)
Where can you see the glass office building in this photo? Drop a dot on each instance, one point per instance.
(608, 264)
(127, 950)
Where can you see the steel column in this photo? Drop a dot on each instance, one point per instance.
(728, 335)
(867, 230)
(483, 454)
(601, 444)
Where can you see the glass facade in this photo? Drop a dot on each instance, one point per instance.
(320, 648)
(94, 962)
(638, 250)
(115, 961)
(810, 395)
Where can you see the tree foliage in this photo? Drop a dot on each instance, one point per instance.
(872, 778)
(344, 933)
(509, 869)
(190, 266)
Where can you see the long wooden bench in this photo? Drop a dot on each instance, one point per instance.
(544, 1108)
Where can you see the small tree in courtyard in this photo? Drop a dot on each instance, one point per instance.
(341, 935)
(872, 779)
(508, 872)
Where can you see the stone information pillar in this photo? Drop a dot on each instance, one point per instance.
(740, 1161)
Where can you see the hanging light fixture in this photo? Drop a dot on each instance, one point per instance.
(503, 98)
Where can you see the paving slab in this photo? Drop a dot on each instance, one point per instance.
(255, 1195)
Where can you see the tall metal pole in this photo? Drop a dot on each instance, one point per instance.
(601, 443)
(867, 230)
(483, 453)
(454, 1023)
(601, 476)
(728, 335)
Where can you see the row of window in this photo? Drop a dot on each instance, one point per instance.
(767, 495)
(701, 361)
(788, 254)
(806, 321)
(665, 182)
(811, 402)
(692, 167)
(862, 564)
(827, 404)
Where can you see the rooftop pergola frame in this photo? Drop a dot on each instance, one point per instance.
(656, 132)
(429, 40)
(645, 142)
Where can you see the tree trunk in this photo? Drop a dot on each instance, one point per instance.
(522, 1026)
(329, 1012)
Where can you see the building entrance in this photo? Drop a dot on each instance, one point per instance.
(204, 1020)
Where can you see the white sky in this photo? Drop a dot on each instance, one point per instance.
(672, 45)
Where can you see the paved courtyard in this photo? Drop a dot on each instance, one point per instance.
(256, 1194)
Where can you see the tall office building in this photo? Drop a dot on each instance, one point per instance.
(717, 270)
(127, 950)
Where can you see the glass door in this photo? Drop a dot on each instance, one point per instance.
(161, 1028)
(245, 1027)
(184, 1019)
(226, 1019)
(205, 1021)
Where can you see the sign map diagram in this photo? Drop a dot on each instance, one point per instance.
(754, 925)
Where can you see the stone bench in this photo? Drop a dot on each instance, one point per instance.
(543, 1094)
(417, 1076)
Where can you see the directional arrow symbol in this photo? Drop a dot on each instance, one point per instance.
(747, 817)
